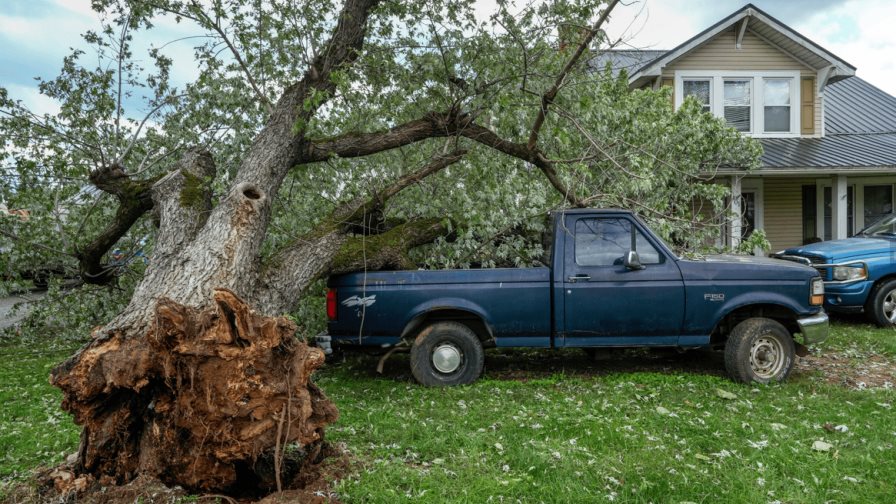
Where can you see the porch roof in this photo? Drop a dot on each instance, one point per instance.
(858, 151)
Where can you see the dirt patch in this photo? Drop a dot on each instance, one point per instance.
(854, 371)
(859, 372)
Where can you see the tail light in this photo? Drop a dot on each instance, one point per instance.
(331, 304)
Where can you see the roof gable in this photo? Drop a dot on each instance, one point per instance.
(750, 18)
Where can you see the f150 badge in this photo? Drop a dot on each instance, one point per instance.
(716, 298)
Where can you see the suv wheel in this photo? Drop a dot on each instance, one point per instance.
(881, 307)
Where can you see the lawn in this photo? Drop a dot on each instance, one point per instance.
(555, 427)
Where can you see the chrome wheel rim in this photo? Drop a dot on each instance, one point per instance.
(446, 358)
(767, 357)
(889, 307)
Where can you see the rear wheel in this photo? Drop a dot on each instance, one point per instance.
(759, 350)
(445, 354)
(881, 307)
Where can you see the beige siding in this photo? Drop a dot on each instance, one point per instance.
(783, 211)
(720, 53)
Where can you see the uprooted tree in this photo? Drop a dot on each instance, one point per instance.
(315, 140)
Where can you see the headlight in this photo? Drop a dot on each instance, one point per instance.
(848, 273)
(816, 294)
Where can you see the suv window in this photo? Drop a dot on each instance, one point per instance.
(604, 242)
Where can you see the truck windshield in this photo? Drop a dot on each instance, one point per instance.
(884, 227)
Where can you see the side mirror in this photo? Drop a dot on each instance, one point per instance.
(632, 261)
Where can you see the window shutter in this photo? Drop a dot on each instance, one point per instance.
(807, 106)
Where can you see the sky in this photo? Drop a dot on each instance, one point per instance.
(35, 35)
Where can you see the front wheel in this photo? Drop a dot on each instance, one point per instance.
(881, 307)
(759, 350)
(446, 354)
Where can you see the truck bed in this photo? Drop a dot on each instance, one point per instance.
(515, 303)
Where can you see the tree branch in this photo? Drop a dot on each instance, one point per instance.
(312, 255)
(131, 206)
(551, 93)
(216, 26)
(351, 145)
(386, 251)
(521, 151)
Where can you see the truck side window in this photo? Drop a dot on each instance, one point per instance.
(604, 242)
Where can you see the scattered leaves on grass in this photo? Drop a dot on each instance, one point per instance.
(724, 394)
(821, 446)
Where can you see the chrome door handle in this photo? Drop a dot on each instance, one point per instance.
(576, 278)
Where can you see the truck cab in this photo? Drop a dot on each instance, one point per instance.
(611, 283)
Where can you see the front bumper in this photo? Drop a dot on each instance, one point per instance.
(842, 297)
(815, 329)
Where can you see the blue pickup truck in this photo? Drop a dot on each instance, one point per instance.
(611, 283)
(859, 272)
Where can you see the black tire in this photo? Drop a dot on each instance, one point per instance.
(759, 350)
(877, 306)
(455, 340)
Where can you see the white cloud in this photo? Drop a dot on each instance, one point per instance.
(860, 32)
(31, 98)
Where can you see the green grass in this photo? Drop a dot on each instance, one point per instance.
(624, 436)
(553, 427)
(854, 335)
(33, 429)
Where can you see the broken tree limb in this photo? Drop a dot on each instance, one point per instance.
(389, 250)
(134, 200)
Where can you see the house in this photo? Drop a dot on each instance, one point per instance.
(829, 137)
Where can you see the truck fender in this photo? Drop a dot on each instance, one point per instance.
(746, 300)
(420, 312)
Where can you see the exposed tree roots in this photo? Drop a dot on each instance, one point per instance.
(208, 400)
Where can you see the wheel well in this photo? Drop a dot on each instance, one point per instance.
(781, 314)
(879, 282)
(469, 319)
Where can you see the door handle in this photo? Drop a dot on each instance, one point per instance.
(576, 278)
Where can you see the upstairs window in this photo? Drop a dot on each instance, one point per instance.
(758, 103)
(737, 104)
(700, 89)
(776, 94)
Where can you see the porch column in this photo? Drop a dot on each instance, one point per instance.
(839, 207)
(736, 213)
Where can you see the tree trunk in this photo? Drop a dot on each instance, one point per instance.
(189, 384)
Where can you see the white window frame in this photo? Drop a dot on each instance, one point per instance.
(757, 106)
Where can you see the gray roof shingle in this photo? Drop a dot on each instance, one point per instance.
(624, 59)
(854, 106)
(833, 151)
